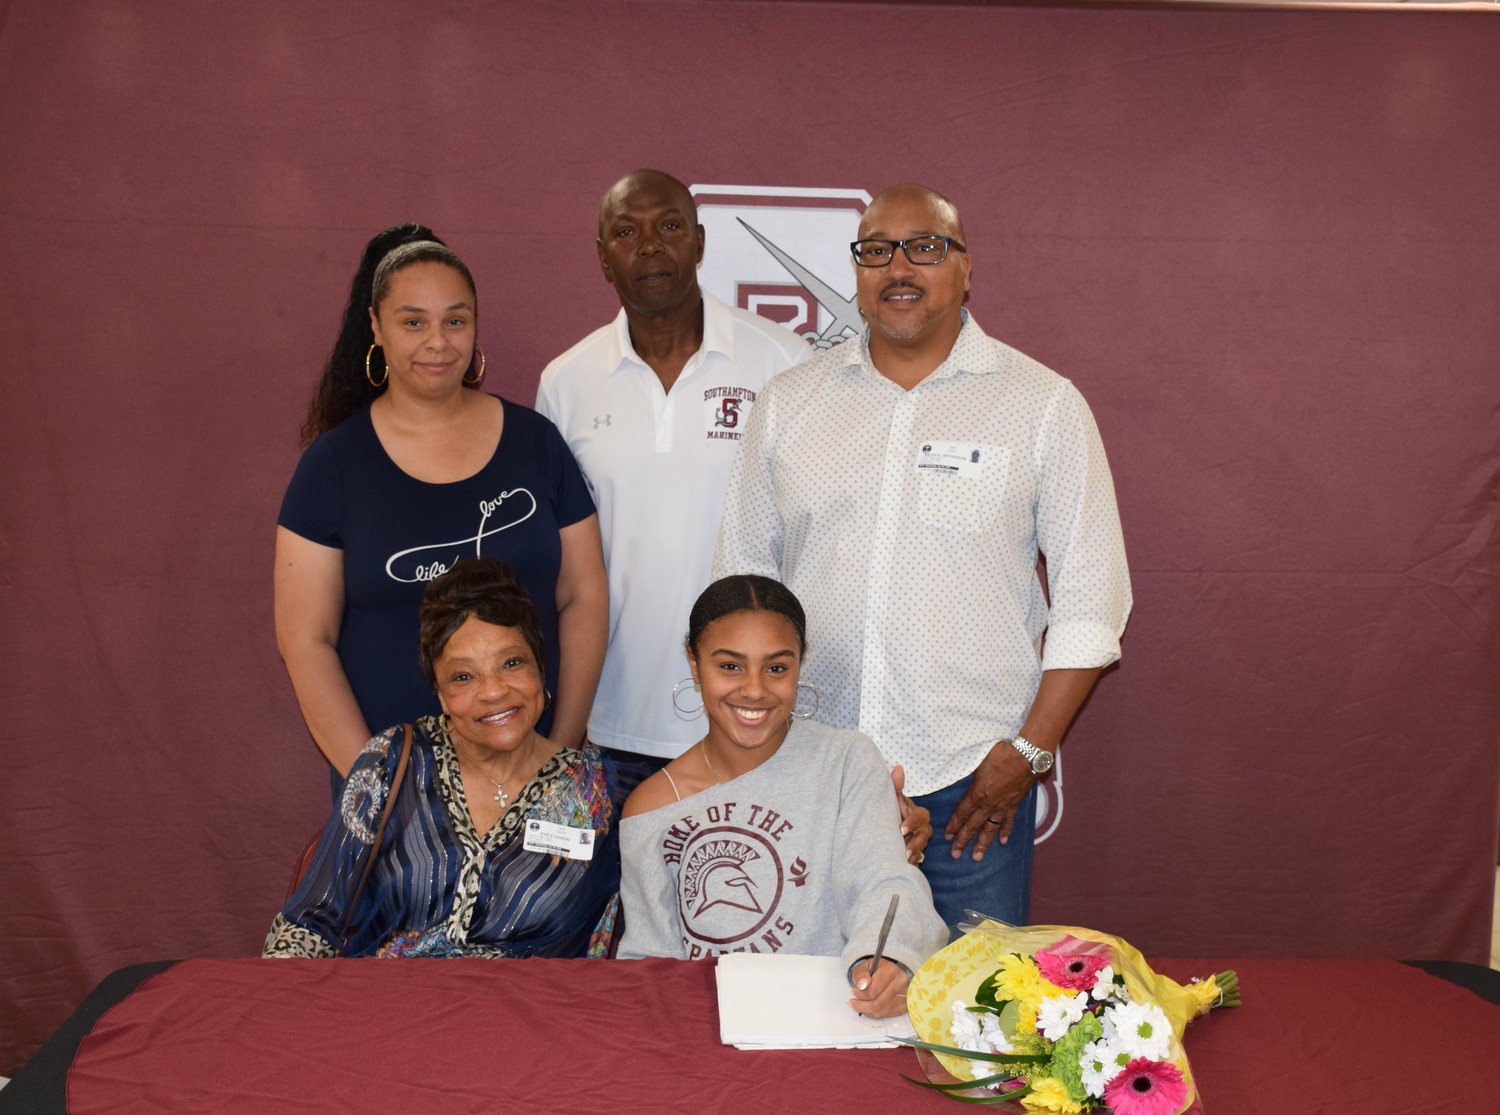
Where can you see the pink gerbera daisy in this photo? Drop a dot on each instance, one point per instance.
(1146, 1088)
(1075, 972)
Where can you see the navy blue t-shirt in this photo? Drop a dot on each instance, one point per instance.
(398, 533)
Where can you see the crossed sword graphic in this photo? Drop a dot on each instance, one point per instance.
(845, 311)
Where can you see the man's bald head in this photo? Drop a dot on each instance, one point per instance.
(947, 222)
(618, 196)
(650, 245)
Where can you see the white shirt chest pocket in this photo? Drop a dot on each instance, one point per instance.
(960, 485)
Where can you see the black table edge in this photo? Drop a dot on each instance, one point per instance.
(1484, 982)
(41, 1087)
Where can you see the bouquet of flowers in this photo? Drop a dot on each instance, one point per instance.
(1058, 1019)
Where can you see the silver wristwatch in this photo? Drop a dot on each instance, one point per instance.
(1041, 761)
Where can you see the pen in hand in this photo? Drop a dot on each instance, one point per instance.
(879, 996)
(885, 932)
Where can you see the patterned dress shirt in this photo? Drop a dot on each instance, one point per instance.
(909, 524)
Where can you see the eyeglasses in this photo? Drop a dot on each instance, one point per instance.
(919, 250)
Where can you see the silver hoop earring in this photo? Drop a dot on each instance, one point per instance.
(817, 700)
(685, 713)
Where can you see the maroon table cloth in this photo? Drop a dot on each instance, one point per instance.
(550, 1035)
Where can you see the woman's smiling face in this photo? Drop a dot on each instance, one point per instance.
(425, 326)
(490, 684)
(746, 667)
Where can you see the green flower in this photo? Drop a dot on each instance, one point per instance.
(1067, 1056)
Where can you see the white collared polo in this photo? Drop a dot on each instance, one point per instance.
(657, 463)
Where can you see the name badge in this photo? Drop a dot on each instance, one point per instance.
(558, 840)
(950, 458)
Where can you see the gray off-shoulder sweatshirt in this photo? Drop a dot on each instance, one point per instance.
(799, 855)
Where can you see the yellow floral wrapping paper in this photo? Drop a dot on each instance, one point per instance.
(957, 971)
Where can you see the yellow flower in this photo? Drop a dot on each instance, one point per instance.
(1048, 1094)
(1019, 979)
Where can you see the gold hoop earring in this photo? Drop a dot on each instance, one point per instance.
(477, 380)
(369, 353)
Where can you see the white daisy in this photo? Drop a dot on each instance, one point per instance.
(1140, 1029)
(964, 1027)
(994, 1037)
(980, 1033)
(1105, 988)
(1101, 1061)
(1058, 1012)
(981, 1069)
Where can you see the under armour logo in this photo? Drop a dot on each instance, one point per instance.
(604, 421)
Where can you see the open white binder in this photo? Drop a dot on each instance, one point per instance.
(772, 1001)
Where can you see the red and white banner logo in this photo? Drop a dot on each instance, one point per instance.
(783, 253)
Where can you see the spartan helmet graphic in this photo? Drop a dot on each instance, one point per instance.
(724, 882)
(715, 875)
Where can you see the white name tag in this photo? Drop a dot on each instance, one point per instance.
(558, 840)
(951, 458)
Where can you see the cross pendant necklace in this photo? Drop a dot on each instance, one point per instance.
(500, 795)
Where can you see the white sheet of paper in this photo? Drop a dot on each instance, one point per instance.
(771, 1001)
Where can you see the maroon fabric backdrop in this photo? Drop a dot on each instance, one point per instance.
(1262, 244)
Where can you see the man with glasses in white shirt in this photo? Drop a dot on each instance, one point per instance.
(902, 485)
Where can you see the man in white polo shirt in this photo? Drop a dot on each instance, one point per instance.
(653, 406)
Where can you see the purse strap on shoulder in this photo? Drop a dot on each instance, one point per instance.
(385, 815)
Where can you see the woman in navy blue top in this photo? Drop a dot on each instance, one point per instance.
(412, 469)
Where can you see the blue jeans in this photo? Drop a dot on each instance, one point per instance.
(998, 885)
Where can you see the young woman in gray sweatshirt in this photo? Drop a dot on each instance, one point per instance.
(772, 833)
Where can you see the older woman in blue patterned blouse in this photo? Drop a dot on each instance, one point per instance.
(499, 842)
